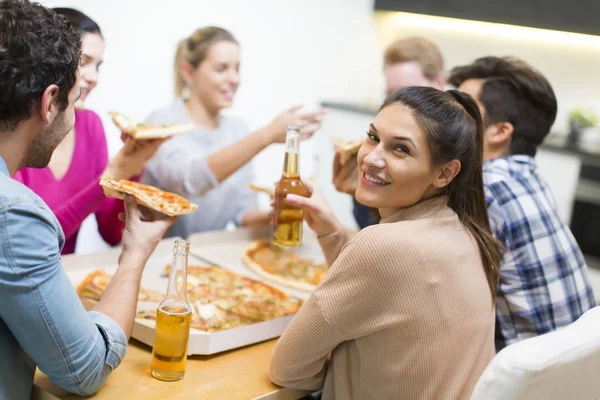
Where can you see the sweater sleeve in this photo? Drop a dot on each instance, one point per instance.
(351, 302)
(333, 243)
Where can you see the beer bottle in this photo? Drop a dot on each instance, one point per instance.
(174, 314)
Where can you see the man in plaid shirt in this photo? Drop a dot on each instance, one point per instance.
(544, 282)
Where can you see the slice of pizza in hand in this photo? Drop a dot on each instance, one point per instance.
(268, 190)
(347, 149)
(166, 203)
(142, 131)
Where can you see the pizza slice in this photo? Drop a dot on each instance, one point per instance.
(284, 267)
(94, 285)
(268, 190)
(148, 196)
(141, 131)
(239, 294)
(347, 149)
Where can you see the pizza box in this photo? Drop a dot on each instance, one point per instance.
(227, 249)
(154, 278)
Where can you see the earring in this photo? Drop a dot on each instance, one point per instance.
(185, 93)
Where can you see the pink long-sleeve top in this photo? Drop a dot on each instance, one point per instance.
(78, 193)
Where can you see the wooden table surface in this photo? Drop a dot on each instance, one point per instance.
(236, 374)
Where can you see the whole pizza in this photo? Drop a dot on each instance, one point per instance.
(220, 299)
(284, 267)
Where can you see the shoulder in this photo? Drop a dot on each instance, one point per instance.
(89, 119)
(24, 213)
(235, 125)
(89, 124)
(173, 113)
(381, 244)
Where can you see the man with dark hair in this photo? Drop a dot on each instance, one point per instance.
(412, 61)
(544, 281)
(42, 321)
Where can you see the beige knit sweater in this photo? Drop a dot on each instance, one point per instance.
(405, 312)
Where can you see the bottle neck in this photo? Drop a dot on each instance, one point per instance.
(177, 288)
(292, 152)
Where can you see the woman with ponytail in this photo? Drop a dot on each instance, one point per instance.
(211, 165)
(406, 310)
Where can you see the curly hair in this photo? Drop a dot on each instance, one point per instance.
(38, 48)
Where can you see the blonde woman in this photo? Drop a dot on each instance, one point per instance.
(407, 309)
(210, 166)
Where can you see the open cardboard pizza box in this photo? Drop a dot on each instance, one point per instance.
(154, 278)
(227, 249)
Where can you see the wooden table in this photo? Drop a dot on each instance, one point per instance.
(235, 374)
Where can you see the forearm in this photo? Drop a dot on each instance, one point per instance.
(299, 360)
(333, 243)
(120, 299)
(255, 217)
(230, 159)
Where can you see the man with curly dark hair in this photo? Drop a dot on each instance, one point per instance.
(42, 321)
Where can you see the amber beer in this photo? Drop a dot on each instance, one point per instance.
(287, 231)
(174, 314)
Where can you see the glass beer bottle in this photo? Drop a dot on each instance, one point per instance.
(174, 314)
(287, 230)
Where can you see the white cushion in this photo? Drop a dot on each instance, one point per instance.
(558, 365)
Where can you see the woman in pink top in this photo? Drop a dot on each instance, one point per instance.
(70, 183)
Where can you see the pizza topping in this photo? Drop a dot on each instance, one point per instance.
(206, 311)
(289, 267)
(220, 299)
(149, 196)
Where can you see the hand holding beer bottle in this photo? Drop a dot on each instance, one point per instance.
(287, 230)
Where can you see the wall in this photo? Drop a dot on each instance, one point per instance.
(569, 61)
(305, 51)
(293, 52)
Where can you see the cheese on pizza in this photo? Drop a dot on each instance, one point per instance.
(220, 299)
(141, 131)
(149, 196)
(95, 283)
(284, 267)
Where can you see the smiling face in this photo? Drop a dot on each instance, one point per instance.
(395, 162)
(215, 81)
(91, 58)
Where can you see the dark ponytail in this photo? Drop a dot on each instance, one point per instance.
(453, 125)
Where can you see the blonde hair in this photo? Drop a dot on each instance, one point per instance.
(193, 50)
(419, 50)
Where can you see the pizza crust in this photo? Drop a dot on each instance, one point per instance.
(143, 132)
(347, 149)
(164, 202)
(258, 188)
(255, 267)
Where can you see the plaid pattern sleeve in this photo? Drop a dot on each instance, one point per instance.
(544, 282)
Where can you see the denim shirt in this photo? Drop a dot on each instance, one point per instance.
(42, 320)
